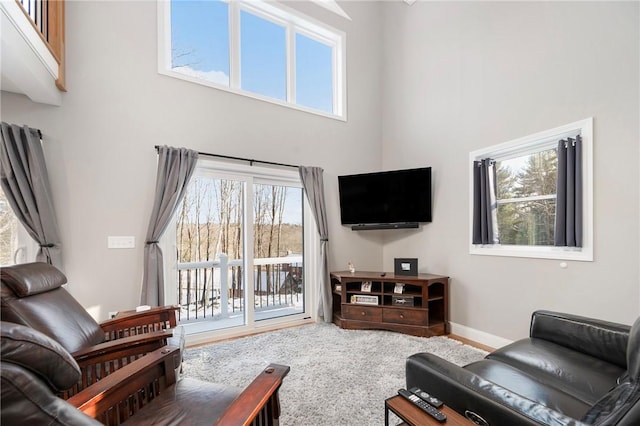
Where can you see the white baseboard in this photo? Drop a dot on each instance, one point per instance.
(479, 336)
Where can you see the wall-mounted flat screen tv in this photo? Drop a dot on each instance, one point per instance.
(386, 198)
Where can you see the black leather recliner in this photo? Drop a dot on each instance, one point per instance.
(35, 368)
(32, 294)
(572, 370)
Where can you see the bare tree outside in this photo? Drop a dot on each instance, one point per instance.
(209, 228)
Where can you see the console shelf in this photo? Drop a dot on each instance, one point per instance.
(416, 305)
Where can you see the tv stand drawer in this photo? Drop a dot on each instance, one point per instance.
(362, 313)
(405, 316)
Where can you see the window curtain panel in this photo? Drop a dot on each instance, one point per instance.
(313, 184)
(568, 227)
(25, 182)
(175, 168)
(485, 207)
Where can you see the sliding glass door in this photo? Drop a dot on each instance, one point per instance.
(239, 244)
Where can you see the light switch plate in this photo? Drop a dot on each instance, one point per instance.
(121, 242)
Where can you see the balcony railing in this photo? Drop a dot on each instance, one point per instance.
(215, 289)
(47, 17)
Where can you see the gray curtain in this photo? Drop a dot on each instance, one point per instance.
(568, 229)
(175, 168)
(313, 184)
(485, 207)
(25, 182)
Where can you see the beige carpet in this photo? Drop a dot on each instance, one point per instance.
(338, 377)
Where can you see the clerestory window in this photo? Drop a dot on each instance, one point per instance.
(260, 49)
(523, 184)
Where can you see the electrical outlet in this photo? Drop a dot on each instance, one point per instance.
(121, 242)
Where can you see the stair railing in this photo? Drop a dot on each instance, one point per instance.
(47, 17)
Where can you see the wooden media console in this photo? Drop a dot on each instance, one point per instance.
(410, 304)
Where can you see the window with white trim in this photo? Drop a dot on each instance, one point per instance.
(526, 177)
(256, 48)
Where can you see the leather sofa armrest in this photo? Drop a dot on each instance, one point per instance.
(101, 360)
(601, 339)
(131, 323)
(124, 347)
(463, 390)
(138, 376)
(259, 397)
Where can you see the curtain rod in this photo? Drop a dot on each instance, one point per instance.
(249, 160)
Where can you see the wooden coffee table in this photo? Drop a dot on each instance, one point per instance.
(413, 416)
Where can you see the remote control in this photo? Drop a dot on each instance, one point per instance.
(426, 397)
(429, 409)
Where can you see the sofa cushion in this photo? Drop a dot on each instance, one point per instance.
(619, 407)
(58, 315)
(189, 403)
(529, 387)
(27, 279)
(38, 353)
(601, 339)
(583, 376)
(26, 400)
(32, 296)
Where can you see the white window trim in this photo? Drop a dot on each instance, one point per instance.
(512, 149)
(278, 13)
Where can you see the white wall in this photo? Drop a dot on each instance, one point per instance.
(99, 144)
(460, 76)
(441, 79)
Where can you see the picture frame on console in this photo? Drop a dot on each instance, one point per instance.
(405, 266)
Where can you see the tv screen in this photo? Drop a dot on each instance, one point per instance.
(398, 196)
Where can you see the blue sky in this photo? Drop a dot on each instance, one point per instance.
(200, 46)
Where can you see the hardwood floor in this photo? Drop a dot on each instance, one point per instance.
(471, 343)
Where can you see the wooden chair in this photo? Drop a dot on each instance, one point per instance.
(34, 368)
(32, 295)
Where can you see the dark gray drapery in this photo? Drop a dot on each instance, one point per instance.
(313, 184)
(175, 168)
(25, 182)
(568, 228)
(485, 213)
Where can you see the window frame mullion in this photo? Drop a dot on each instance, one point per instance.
(526, 199)
(339, 94)
(291, 63)
(235, 81)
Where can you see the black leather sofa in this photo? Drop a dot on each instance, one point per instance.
(572, 370)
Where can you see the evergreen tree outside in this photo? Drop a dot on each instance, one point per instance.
(527, 198)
